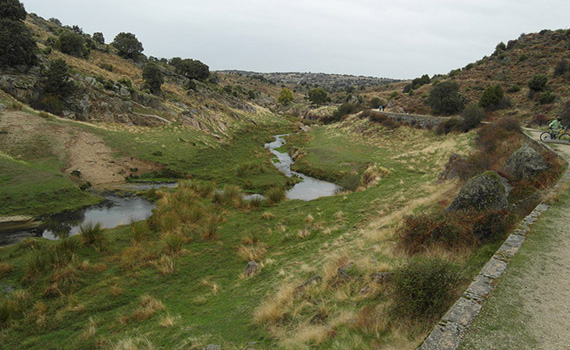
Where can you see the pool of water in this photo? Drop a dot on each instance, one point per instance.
(309, 188)
(112, 212)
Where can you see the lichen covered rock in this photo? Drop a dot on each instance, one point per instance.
(480, 193)
(525, 163)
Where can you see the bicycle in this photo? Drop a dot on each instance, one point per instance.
(551, 135)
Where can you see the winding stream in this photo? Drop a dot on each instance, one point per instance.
(117, 210)
(310, 188)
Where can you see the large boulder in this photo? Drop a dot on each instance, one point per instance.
(525, 163)
(480, 193)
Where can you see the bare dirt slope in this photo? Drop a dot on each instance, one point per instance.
(29, 137)
(530, 309)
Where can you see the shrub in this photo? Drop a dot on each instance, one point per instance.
(350, 182)
(539, 119)
(546, 98)
(99, 38)
(444, 98)
(421, 231)
(493, 98)
(450, 125)
(344, 109)
(73, 44)
(425, 288)
(153, 77)
(471, 117)
(318, 96)
(191, 69)
(128, 45)
(285, 96)
(17, 47)
(56, 79)
(537, 83)
(561, 68)
(514, 88)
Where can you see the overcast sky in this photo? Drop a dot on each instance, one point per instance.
(394, 39)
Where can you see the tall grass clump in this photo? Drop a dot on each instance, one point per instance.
(275, 195)
(139, 231)
(173, 242)
(425, 289)
(92, 235)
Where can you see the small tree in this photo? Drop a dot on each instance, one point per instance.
(561, 68)
(128, 45)
(73, 44)
(445, 98)
(538, 83)
(16, 44)
(493, 98)
(153, 77)
(99, 38)
(471, 117)
(57, 80)
(285, 96)
(318, 96)
(12, 10)
(191, 69)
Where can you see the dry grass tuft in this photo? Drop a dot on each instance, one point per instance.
(165, 265)
(267, 216)
(252, 252)
(273, 309)
(168, 320)
(304, 233)
(130, 343)
(213, 285)
(91, 328)
(5, 268)
(307, 334)
(148, 306)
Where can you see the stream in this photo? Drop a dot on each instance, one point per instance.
(310, 188)
(118, 210)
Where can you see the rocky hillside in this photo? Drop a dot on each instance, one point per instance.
(110, 88)
(511, 66)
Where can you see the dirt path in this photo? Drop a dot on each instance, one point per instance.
(530, 308)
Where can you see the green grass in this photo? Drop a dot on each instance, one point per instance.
(29, 188)
(221, 315)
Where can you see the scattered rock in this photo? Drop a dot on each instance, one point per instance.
(251, 269)
(381, 277)
(525, 163)
(342, 271)
(315, 279)
(482, 192)
(2, 107)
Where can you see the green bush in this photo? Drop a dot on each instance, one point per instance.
(349, 182)
(344, 109)
(514, 88)
(57, 81)
(17, 47)
(493, 98)
(537, 83)
(73, 44)
(153, 77)
(546, 98)
(128, 46)
(426, 288)
(318, 96)
(99, 38)
(445, 98)
(12, 10)
(191, 69)
(450, 125)
(471, 117)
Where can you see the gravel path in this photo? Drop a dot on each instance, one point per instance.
(530, 308)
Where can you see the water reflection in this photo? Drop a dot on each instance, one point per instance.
(310, 188)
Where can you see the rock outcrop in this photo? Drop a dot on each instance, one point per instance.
(525, 163)
(482, 192)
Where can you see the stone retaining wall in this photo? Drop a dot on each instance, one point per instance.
(449, 332)
(425, 122)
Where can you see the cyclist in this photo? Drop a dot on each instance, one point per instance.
(555, 127)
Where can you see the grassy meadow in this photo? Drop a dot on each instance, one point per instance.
(178, 281)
